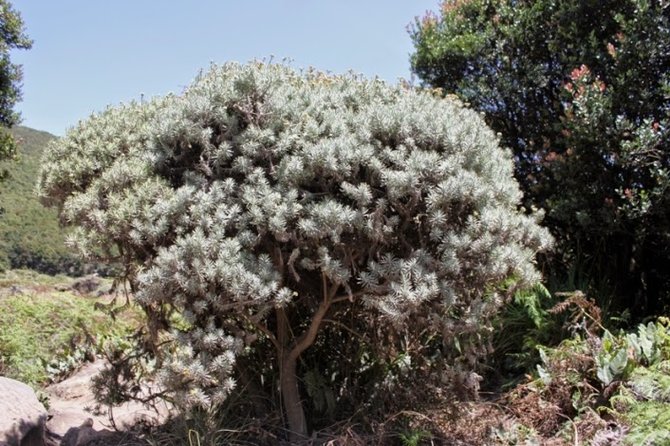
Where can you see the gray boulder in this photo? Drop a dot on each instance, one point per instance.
(87, 284)
(22, 416)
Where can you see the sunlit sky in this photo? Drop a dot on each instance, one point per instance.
(89, 54)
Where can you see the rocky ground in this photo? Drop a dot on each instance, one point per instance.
(71, 404)
(71, 418)
(44, 318)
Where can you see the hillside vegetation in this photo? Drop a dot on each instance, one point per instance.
(30, 236)
(49, 325)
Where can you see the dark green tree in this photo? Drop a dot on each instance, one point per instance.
(12, 36)
(579, 90)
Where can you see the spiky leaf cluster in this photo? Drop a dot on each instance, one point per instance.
(263, 188)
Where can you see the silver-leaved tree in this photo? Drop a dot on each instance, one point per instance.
(263, 205)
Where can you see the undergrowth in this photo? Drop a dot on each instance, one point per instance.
(598, 387)
(595, 387)
(45, 333)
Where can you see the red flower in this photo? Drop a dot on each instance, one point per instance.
(580, 72)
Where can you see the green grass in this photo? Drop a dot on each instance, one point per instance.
(45, 332)
(33, 279)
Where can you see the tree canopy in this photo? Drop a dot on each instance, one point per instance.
(580, 91)
(278, 212)
(12, 36)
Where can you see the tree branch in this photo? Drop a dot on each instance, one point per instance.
(349, 297)
(265, 331)
(344, 327)
(307, 338)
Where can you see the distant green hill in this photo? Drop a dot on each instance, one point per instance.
(30, 236)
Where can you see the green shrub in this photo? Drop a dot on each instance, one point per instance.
(306, 228)
(522, 325)
(605, 385)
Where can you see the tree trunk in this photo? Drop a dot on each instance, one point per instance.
(291, 397)
(288, 356)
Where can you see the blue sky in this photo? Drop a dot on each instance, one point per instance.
(89, 54)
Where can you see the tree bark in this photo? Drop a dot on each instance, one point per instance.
(289, 354)
(295, 414)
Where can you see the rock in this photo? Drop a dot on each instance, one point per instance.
(22, 416)
(86, 284)
(71, 437)
(85, 435)
(71, 402)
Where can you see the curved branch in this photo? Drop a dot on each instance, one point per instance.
(307, 338)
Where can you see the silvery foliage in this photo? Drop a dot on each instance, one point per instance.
(260, 184)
